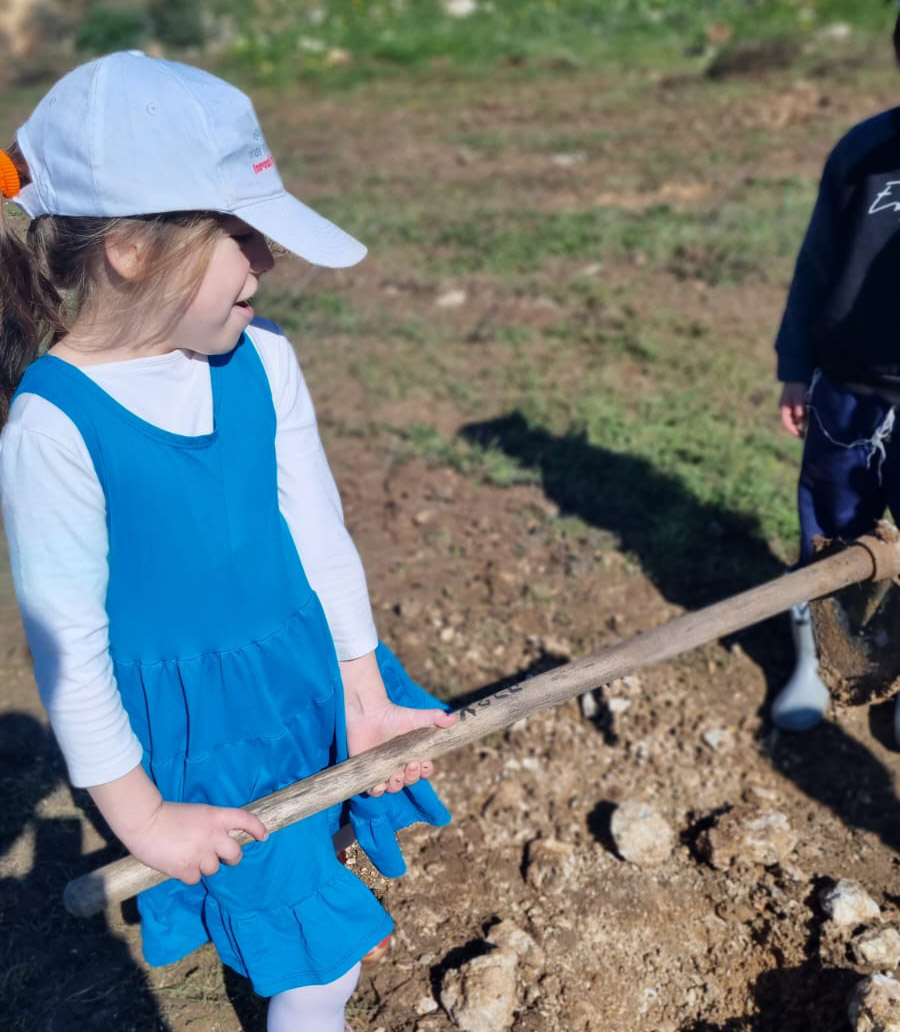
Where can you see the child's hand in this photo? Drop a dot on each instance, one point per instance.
(383, 721)
(373, 719)
(793, 408)
(189, 840)
(182, 840)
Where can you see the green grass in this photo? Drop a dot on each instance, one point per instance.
(347, 40)
(734, 239)
(686, 429)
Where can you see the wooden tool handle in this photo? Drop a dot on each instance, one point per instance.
(867, 558)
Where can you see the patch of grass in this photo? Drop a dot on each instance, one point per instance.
(303, 314)
(351, 40)
(750, 233)
(488, 463)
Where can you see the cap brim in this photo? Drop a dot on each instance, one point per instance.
(293, 225)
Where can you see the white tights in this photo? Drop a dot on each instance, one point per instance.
(313, 1008)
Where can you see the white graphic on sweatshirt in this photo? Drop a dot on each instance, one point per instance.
(881, 204)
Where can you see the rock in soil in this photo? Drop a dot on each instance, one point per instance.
(747, 833)
(875, 1005)
(549, 864)
(641, 835)
(480, 996)
(848, 903)
(876, 949)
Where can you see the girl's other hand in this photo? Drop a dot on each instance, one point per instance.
(189, 841)
(380, 723)
(182, 840)
(793, 408)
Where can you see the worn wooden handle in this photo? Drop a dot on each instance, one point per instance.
(867, 558)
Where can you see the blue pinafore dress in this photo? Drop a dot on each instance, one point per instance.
(227, 670)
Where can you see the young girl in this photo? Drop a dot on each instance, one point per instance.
(197, 613)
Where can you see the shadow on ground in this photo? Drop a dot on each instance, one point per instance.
(60, 973)
(798, 999)
(250, 1008)
(696, 554)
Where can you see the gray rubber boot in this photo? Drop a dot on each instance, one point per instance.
(802, 702)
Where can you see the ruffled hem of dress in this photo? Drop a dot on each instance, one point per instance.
(296, 944)
(375, 821)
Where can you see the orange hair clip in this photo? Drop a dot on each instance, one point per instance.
(10, 182)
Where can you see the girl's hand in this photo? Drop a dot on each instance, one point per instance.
(189, 840)
(384, 721)
(793, 408)
(181, 840)
(373, 719)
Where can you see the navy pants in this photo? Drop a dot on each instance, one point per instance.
(851, 465)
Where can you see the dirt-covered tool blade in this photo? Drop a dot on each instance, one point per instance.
(857, 632)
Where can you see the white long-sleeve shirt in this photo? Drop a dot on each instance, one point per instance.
(55, 516)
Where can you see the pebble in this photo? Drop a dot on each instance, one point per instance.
(590, 707)
(641, 835)
(480, 996)
(848, 903)
(548, 863)
(717, 738)
(836, 30)
(875, 1005)
(509, 937)
(337, 56)
(451, 299)
(425, 1005)
(567, 160)
(877, 948)
(459, 8)
(557, 648)
(747, 833)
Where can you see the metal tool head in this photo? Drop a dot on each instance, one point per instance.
(857, 631)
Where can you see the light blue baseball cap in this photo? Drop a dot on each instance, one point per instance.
(129, 134)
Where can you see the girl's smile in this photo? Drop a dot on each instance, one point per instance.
(221, 309)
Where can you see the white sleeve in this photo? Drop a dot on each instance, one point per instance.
(55, 519)
(311, 505)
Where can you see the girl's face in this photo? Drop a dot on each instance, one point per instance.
(220, 310)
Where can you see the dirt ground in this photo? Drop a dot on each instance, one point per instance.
(522, 914)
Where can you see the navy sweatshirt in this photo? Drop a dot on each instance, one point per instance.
(843, 307)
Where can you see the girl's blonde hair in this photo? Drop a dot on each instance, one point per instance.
(50, 274)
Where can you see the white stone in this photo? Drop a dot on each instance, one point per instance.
(874, 1005)
(567, 160)
(425, 1005)
(848, 903)
(451, 299)
(641, 835)
(460, 8)
(836, 30)
(877, 948)
(717, 738)
(480, 996)
(589, 705)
